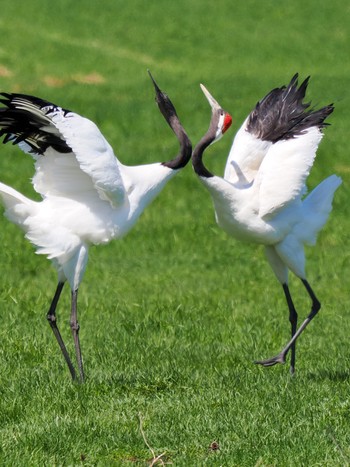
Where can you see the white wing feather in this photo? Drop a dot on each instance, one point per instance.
(245, 157)
(93, 153)
(283, 172)
(60, 174)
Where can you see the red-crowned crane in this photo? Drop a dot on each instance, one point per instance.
(89, 196)
(261, 199)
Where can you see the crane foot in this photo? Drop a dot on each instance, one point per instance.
(281, 358)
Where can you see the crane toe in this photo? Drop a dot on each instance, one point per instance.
(280, 358)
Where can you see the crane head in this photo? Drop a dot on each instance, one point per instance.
(221, 120)
(168, 111)
(164, 103)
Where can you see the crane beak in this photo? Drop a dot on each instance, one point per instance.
(165, 105)
(213, 103)
(156, 87)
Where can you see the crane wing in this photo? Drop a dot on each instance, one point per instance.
(283, 172)
(246, 154)
(71, 152)
(278, 117)
(93, 153)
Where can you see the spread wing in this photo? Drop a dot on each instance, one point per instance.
(283, 172)
(71, 153)
(276, 146)
(278, 117)
(246, 154)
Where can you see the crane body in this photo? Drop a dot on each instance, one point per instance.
(262, 197)
(88, 196)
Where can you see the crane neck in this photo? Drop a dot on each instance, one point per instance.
(197, 155)
(184, 155)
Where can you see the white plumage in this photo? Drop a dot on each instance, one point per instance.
(260, 199)
(89, 196)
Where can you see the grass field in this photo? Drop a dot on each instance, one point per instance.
(173, 316)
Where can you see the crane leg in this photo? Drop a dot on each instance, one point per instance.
(293, 319)
(75, 331)
(51, 317)
(315, 307)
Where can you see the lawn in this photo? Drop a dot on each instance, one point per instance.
(173, 315)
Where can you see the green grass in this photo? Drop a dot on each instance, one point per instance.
(173, 315)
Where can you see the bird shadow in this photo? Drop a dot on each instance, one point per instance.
(140, 384)
(331, 375)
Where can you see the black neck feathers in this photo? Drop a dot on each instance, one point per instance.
(168, 111)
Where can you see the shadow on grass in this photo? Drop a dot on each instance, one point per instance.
(331, 375)
(139, 384)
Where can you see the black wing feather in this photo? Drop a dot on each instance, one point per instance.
(282, 114)
(24, 118)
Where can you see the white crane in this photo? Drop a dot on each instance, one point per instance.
(261, 197)
(89, 196)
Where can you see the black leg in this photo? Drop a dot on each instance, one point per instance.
(315, 307)
(75, 331)
(51, 317)
(293, 319)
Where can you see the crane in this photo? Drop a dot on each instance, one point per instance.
(261, 198)
(88, 196)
